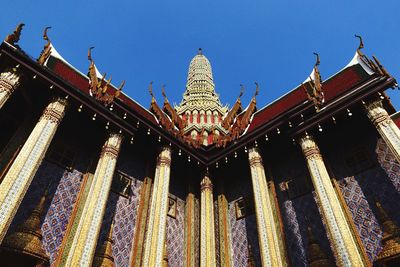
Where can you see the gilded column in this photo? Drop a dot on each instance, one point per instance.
(207, 231)
(18, 178)
(225, 238)
(271, 252)
(85, 239)
(157, 221)
(385, 126)
(141, 222)
(9, 81)
(344, 246)
(189, 258)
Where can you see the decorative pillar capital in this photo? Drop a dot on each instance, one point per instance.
(9, 81)
(55, 111)
(254, 157)
(164, 158)
(112, 146)
(309, 146)
(206, 184)
(376, 112)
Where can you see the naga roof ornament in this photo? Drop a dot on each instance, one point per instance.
(99, 87)
(313, 85)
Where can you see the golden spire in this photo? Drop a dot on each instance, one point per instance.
(103, 256)
(316, 257)
(14, 37)
(251, 262)
(165, 255)
(391, 235)
(27, 238)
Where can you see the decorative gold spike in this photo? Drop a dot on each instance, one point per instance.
(14, 37)
(119, 90)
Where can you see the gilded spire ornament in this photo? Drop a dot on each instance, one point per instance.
(390, 239)
(103, 256)
(251, 262)
(13, 38)
(27, 237)
(316, 257)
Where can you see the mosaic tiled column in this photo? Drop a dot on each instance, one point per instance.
(225, 238)
(18, 178)
(9, 81)
(344, 245)
(268, 228)
(385, 126)
(155, 235)
(190, 230)
(84, 243)
(207, 231)
(138, 240)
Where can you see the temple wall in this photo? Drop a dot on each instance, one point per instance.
(244, 230)
(176, 226)
(298, 211)
(175, 236)
(380, 181)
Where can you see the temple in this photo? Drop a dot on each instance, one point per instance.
(89, 177)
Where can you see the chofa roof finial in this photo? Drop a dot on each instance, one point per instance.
(89, 56)
(241, 91)
(46, 52)
(361, 45)
(318, 61)
(257, 89)
(14, 37)
(151, 89)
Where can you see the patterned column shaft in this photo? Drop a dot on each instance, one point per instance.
(155, 235)
(18, 178)
(225, 238)
(189, 231)
(207, 231)
(141, 221)
(343, 243)
(385, 126)
(268, 229)
(9, 81)
(84, 243)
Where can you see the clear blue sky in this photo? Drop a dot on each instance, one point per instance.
(266, 41)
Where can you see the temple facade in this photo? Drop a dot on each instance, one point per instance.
(89, 177)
